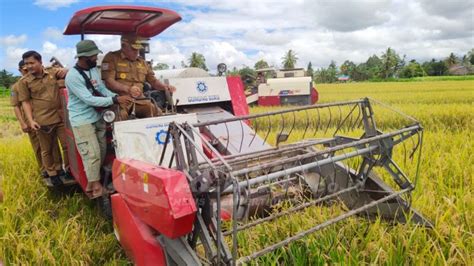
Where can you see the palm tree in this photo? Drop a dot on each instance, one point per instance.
(261, 64)
(197, 60)
(289, 60)
(161, 66)
(390, 62)
(452, 60)
(470, 55)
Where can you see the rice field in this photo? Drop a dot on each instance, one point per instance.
(38, 227)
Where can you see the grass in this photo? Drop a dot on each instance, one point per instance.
(427, 78)
(4, 92)
(444, 191)
(37, 227)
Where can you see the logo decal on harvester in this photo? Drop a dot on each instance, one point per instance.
(201, 87)
(146, 188)
(161, 137)
(122, 170)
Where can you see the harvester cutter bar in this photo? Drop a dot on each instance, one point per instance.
(294, 209)
(318, 227)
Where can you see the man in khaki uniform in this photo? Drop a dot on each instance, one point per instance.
(125, 73)
(20, 115)
(39, 93)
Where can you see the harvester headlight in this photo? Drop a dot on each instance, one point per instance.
(108, 116)
(221, 68)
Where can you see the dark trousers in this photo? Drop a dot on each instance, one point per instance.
(141, 108)
(48, 138)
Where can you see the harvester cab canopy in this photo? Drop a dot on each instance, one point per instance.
(145, 22)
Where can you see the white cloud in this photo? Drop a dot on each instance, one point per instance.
(47, 50)
(49, 47)
(263, 37)
(13, 40)
(243, 32)
(12, 51)
(54, 4)
(53, 33)
(451, 9)
(224, 52)
(165, 52)
(63, 54)
(12, 57)
(106, 43)
(348, 15)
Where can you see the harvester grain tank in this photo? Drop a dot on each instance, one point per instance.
(283, 87)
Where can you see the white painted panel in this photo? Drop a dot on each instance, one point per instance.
(200, 90)
(143, 139)
(285, 87)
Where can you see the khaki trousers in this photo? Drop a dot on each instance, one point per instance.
(92, 146)
(48, 138)
(143, 109)
(37, 150)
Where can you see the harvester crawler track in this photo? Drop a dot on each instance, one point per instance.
(307, 156)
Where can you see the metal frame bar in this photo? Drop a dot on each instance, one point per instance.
(231, 173)
(247, 117)
(295, 209)
(304, 233)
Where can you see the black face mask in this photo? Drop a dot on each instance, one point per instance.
(90, 63)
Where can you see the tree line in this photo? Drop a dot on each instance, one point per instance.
(389, 65)
(7, 79)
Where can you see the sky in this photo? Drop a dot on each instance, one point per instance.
(241, 32)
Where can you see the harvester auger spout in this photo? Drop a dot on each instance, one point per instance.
(242, 175)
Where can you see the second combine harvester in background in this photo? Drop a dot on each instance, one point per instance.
(282, 87)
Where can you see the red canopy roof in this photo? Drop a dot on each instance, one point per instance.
(117, 20)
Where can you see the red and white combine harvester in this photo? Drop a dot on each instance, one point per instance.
(188, 183)
(283, 87)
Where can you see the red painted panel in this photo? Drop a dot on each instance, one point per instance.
(314, 95)
(79, 173)
(237, 96)
(207, 151)
(137, 239)
(75, 161)
(158, 196)
(115, 20)
(269, 100)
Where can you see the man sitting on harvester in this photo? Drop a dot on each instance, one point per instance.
(87, 92)
(125, 73)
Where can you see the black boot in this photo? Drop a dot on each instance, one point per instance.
(67, 178)
(55, 180)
